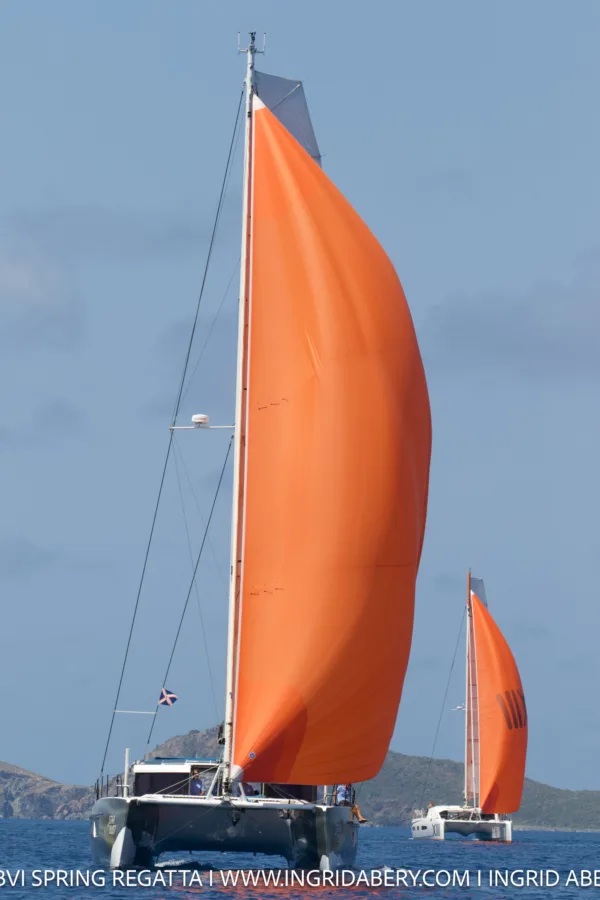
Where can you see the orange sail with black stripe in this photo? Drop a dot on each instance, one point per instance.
(334, 475)
(496, 714)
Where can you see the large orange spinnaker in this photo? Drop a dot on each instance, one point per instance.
(502, 717)
(338, 439)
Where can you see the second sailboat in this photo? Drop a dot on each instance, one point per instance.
(495, 736)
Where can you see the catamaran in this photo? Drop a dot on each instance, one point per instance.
(495, 736)
(331, 450)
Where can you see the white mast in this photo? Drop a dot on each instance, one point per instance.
(235, 583)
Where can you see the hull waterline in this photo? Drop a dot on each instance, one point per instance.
(134, 831)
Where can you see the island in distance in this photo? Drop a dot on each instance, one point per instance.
(387, 800)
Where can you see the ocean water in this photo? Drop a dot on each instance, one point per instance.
(31, 851)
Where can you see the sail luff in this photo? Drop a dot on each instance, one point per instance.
(475, 735)
(472, 728)
(467, 687)
(240, 415)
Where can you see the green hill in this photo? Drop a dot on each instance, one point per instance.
(404, 783)
(409, 782)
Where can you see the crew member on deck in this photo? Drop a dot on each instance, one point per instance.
(344, 798)
(249, 790)
(196, 784)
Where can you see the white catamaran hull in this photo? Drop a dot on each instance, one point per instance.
(467, 823)
(134, 831)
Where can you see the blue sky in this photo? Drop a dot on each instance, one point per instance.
(466, 135)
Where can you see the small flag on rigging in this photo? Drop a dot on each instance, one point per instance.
(167, 698)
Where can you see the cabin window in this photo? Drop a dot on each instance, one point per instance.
(307, 792)
(161, 783)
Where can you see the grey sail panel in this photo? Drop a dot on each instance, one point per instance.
(478, 589)
(284, 97)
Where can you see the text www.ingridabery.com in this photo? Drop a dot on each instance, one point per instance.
(274, 878)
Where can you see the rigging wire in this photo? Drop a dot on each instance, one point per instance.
(189, 542)
(437, 731)
(224, 183)
(193, 581)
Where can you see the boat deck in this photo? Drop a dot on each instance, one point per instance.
(439, 821)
